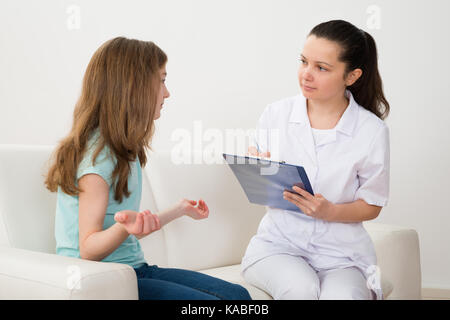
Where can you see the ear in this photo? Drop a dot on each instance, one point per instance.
(353, 76)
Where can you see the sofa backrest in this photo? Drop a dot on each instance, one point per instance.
(27, 208)
(217, 241)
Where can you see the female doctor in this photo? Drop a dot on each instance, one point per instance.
(335, 130)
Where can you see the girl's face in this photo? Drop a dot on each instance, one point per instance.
(163, 92)
(321, 74)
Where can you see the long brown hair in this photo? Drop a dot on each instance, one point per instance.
(118, 97)
(358, 50)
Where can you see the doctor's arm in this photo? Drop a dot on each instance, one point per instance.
(356, 211)
(318, 207)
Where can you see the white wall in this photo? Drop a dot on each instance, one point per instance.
(227, 60)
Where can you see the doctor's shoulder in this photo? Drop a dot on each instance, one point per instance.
(369, 125)
(281, 109)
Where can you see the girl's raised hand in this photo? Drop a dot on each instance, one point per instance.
(189, 208)
(139, 224)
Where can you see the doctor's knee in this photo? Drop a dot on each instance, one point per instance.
(298, 291)
(349, 293)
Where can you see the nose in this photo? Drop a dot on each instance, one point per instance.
(166, 93)
(306, 74)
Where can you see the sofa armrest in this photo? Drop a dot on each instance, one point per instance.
(398, 256)
(28, 274)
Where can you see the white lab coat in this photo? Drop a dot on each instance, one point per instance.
(352, 164)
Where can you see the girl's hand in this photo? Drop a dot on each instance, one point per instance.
(189, 208)
(252, 151)
(315, 206)
(139, 224)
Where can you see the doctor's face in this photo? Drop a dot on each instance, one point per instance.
(321, 74)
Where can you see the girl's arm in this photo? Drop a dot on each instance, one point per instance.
(130, 219)
(164, 217)
(185, 207)
(94, 242)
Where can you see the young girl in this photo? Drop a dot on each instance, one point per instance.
(335, 130)
(97, 173)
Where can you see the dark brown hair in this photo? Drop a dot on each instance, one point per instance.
(358, 50)
(118, 97)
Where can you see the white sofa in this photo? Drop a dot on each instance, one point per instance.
(30, 269)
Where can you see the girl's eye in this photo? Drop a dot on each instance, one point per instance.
(322, 69)
(302, 61)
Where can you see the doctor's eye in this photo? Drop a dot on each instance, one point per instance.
(322, 69)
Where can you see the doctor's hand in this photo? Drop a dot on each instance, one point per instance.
(314, 206)
(191, 209)
(252, 151)
(139, 224)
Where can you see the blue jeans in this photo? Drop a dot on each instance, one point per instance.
(156, 283)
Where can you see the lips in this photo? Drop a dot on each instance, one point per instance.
(307, 88)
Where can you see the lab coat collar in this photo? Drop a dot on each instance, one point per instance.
(345, 125)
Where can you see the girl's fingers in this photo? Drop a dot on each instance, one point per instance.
(151, 222)
(154, 222)
(139, 223)
(206, 209)
(200, 207)
(203, 205)
(147, 227)
(158, 224)
(204, 212)
(120, 217)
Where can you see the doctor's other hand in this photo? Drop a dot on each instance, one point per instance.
(139, 224)
(252, 151)
(191, 209)
(315, 206)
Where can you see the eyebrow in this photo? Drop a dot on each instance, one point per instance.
(317, 61)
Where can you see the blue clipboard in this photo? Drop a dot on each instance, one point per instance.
(264, 181)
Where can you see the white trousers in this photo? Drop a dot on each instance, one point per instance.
(287, 277)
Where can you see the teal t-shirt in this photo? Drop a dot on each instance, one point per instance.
(66, 220)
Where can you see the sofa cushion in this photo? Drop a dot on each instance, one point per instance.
(233, 274)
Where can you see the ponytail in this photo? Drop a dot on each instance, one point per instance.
(358, 51)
